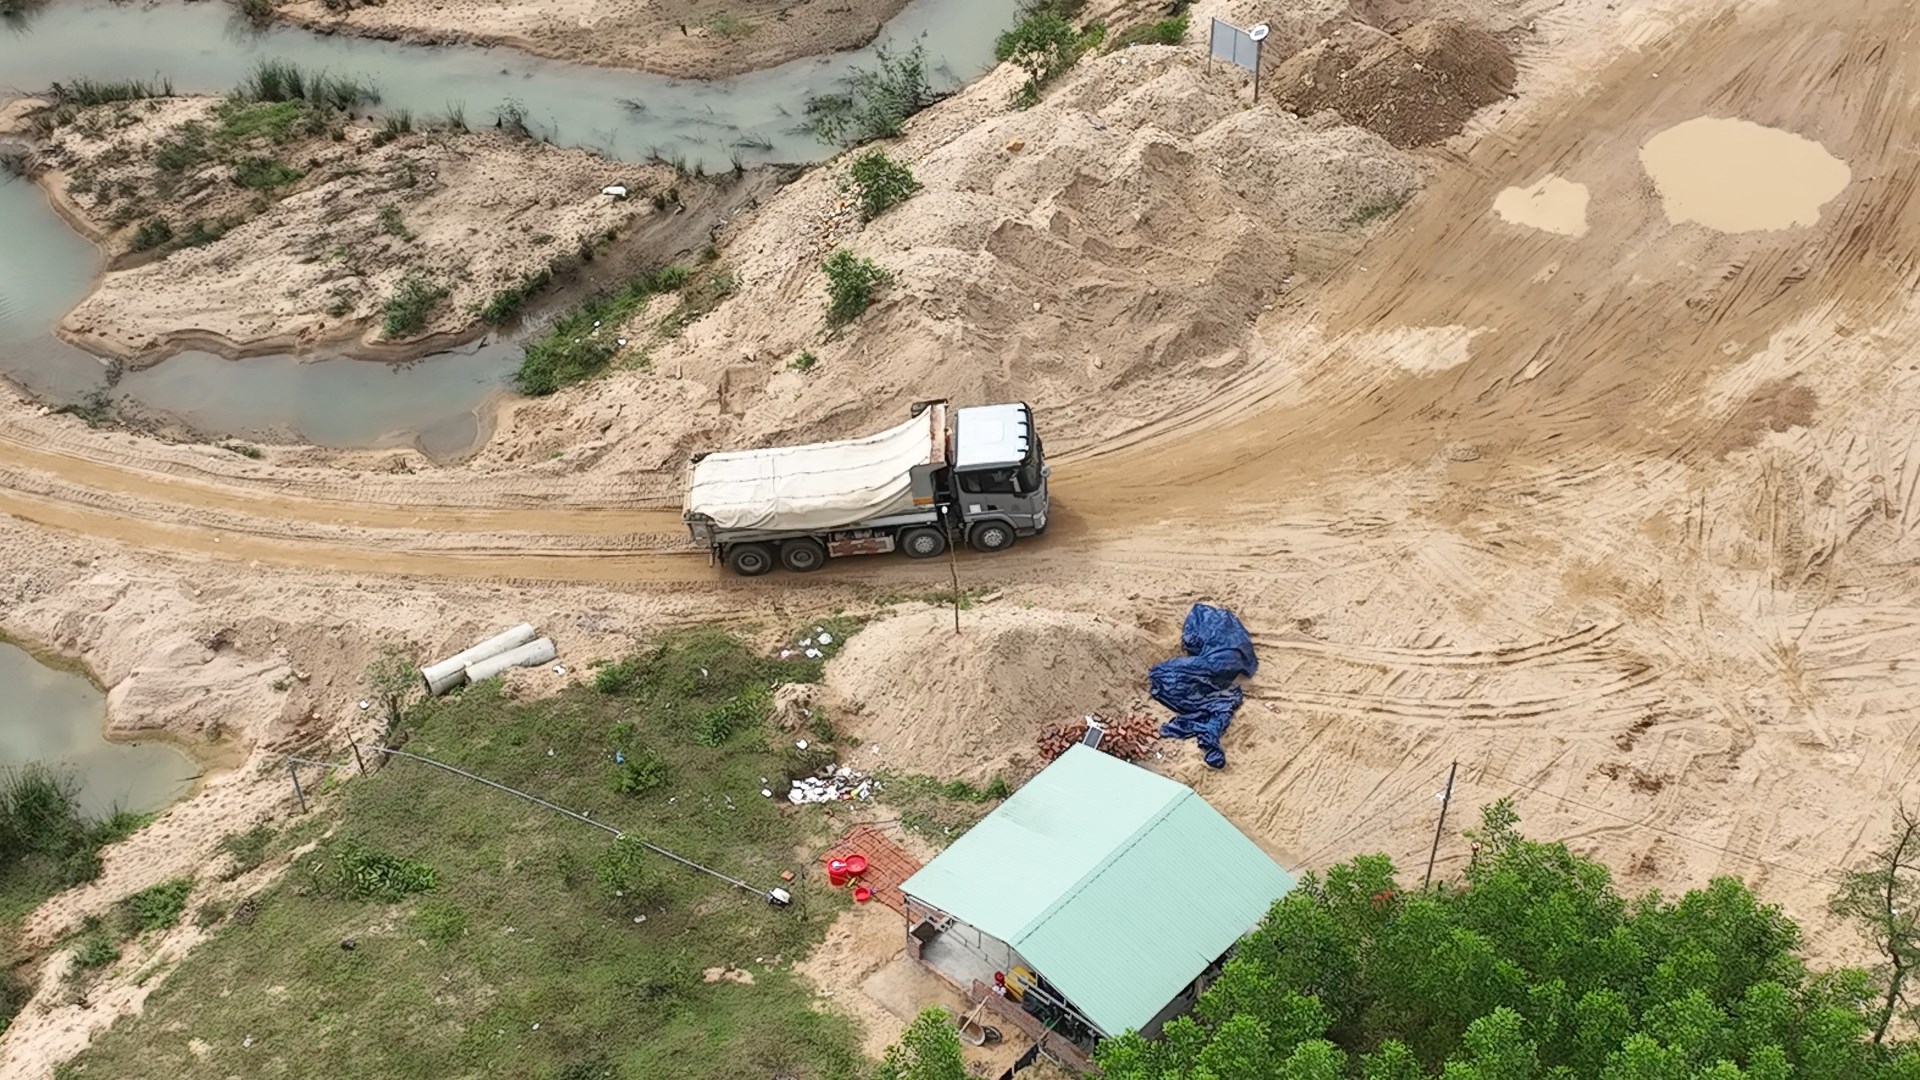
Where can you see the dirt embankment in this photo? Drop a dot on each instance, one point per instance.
(1116, 240)
(252, 226)
(693, 39)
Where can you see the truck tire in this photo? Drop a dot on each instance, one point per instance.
(750, 560)
(991, 536)
(923, 542)
(803, 556)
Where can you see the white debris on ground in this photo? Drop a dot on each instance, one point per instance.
(835, 783)
(813, 646)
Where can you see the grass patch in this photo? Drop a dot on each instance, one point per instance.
(806, 361)
(105, 91)
(247, 850)
(1369, 212)
(156, 907)
(406, 311)
(699, 296)
(391, 224)
(46, 843)
(350, 870)
(505, 306)
(941, 811)
(583, 341)
(264, 174)
(729, 26)
(536, 965)
(851, 283)
(1168, 31)
(285, 81)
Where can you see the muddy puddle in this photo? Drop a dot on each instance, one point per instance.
(1737, 176)
(330, 399)
(56, 717)
(1553, 204)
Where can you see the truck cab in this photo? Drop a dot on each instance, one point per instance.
(997, 472)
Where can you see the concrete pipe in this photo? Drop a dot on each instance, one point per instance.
(533, 652)
(451, 672)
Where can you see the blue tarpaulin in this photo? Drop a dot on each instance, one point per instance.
(1199, 687)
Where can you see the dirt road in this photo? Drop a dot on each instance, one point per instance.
(1623, 521)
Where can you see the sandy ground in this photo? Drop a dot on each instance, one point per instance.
(694, 39)
(1620, 518)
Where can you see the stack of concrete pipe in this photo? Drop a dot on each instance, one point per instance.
(508, 649)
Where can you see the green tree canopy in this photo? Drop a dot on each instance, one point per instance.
(1532, 966)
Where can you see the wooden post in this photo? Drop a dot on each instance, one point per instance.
(1445, 800)
(362, 762)
(953, 570)
(293, 775)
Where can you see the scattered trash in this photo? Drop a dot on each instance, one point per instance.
(825, 638)
(768, 792)
(536, 1027)
(639, 918)
(559, 669)
(835, 783)
(619, 757)
(802, 744)
(786, 875)
(618, 191)
(364, 704)
(1200, 686)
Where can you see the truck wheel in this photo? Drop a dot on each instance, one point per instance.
(923, 542)
(750, 560)
(803, 556)
(992, 536)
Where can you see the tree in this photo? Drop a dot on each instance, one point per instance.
(1882, 897)
(1533, 965)
(394, 680)
(928, 1050)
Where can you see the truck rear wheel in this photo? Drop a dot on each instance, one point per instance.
(992, 536)
(923, 542)
(803, 556)
(750, 560)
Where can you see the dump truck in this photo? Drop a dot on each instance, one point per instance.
(973, 475)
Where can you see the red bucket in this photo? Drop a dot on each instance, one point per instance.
(837, 872)
(856, 865)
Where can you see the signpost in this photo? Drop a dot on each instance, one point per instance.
(1238, 47)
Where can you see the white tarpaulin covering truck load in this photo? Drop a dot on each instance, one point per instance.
(975, 475)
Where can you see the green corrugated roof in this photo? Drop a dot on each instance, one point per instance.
(1116, 884)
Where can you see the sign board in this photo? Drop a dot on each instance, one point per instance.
(1236, 46)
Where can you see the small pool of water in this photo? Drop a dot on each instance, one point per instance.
(323, 397)
(58, 718)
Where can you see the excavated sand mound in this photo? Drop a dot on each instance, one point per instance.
(967, 705)
(1122, 235)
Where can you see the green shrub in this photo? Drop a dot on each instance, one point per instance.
(729, 26)
(806, 361)
(877, 100)
(584, 340)
(349, 870)
(1044, 44)
(151, 234)
(881, 183)
(851, 283)
(264, 174)
(738, 713)
(640, 770)
(95, 950)
(506, 304)
(158, 906)
(406, 311)
(630, 874)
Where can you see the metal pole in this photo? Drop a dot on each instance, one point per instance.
(1445, 800)
(362, 762)
(295, 777)
(953, 569)
(1257, 47)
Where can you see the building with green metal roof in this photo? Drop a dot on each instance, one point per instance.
(1120, 889)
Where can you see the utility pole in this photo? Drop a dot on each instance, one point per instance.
(1445, 800)
(953, 568)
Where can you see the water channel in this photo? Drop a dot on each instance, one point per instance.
(324, 397)
(57, 718)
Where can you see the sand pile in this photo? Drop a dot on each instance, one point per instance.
(967, 705)
(319, 256)
(1414, 88)
(1120, 236)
